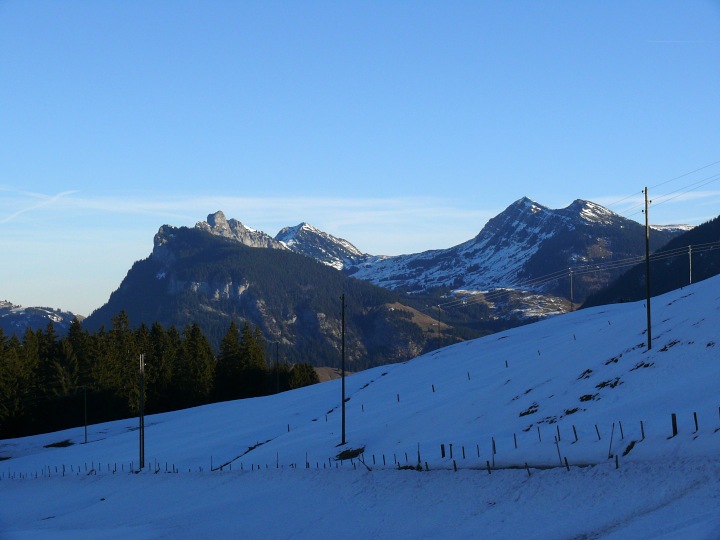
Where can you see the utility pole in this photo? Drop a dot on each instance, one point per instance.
(647, 270)
(277, 368)
(572, 303)
(438, 323)
(343, 368)
(142, 411)
(690, 257)
(85, 406)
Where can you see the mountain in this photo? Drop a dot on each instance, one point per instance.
(516, 268)
(16, 319)
(232, 229)
(692, 256)
(527, 247)
(518, 249)
(207, 275)
(321, 246)
(559, 429)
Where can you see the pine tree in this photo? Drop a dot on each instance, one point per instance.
(195, 368)
(228, 377)
(252, 360)
(302, 375)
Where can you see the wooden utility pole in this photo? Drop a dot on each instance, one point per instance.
(572, 303)
(142, 411)
(438, 323)
(342, 298)
(277, 368)
(690, 257)
(85, 407)
(647, 270)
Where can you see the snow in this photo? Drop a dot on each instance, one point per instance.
(586, 372)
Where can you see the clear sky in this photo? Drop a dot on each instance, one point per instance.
(400, 126)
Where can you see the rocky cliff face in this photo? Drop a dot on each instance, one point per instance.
(232, 229)
(195, 275)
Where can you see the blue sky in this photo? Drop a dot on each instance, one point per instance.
(400, 126)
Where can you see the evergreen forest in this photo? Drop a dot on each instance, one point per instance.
(48, 383)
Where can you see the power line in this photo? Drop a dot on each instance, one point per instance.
(638, 207)
(474, 298)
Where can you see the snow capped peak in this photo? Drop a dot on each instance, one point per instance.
(326, 248)
(289, 235)
(673, 228)
(591, 212)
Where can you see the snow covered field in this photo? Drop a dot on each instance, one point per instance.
(585, 378)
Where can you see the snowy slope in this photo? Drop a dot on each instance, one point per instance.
(583, 373)
(321, 246)
(16, 319)
(523, 243)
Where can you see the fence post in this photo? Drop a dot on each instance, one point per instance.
(674, 424)
(612, 433)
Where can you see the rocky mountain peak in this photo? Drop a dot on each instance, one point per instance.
(326, 248)
(591, 212)
(233, 229)
(218, 222)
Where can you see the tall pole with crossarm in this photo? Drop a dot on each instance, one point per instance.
(647, 270)
(142, 411)
(342, 374)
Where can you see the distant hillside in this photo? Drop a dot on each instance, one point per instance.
(670, 268)
(518, 248)
(195, 276)
(16, 319)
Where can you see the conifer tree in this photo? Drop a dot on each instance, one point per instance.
(228, 379)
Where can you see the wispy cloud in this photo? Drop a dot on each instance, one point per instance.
(40, 201)
(380, 225)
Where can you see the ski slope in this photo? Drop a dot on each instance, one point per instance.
(515, 406)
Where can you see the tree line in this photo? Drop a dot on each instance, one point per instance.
(49, 383)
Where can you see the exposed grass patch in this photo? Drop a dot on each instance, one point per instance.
(611, 383)
(671, 344)
(629, 447)
(60, 444)
(350, 453)
(640, 365)
(532, 409)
